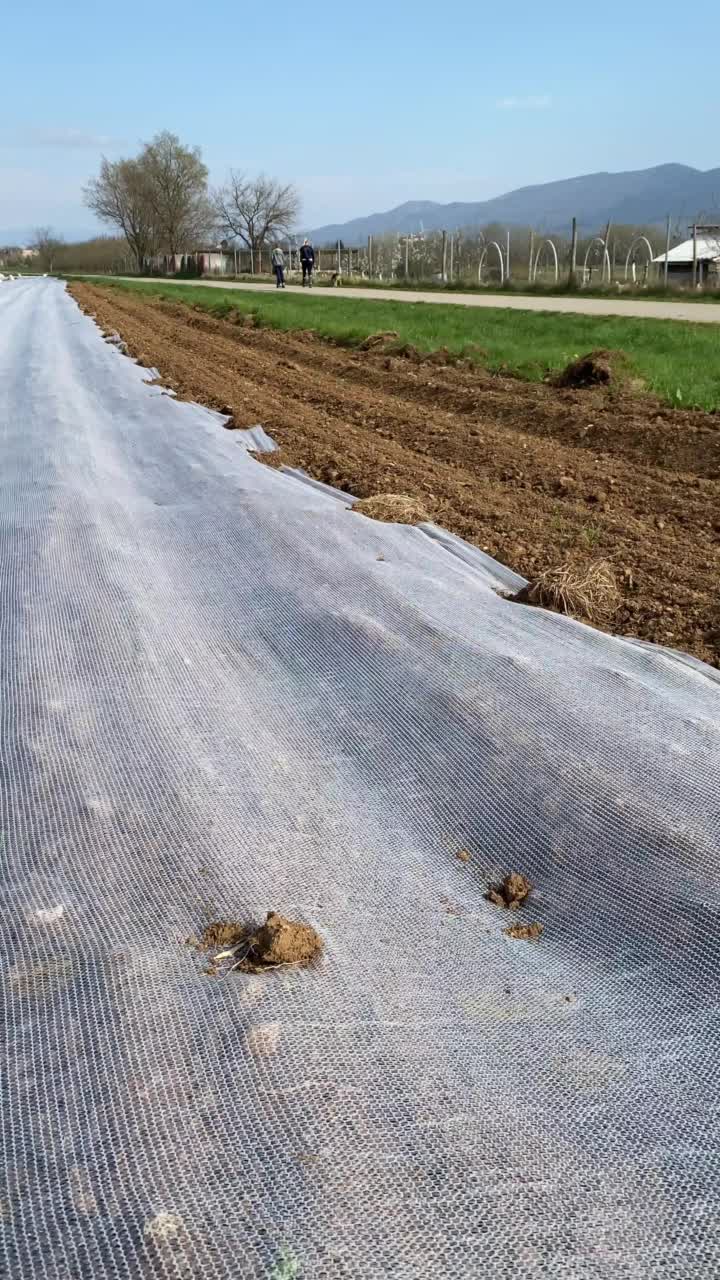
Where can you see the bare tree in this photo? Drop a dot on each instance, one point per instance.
(120, 197)
(177, 186)
(46, 244)
(255, 210)
(158, 199)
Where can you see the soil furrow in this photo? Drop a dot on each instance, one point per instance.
(527, 472)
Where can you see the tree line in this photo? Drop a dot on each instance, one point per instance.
(161, 203)
(158, 203)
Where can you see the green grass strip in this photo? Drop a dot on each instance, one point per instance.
(677, 360)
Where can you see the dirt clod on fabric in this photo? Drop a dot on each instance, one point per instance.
(219, 935)
(275, 458)
(281, 942)
(527, 932)
(591, 370)
(463, 855)
(511, 893)
(393, 508)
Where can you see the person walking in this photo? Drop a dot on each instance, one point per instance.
(278, 266)
(307, 261)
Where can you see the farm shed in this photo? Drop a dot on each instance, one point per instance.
(680, 261)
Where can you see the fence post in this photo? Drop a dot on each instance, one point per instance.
(339, 264)
(667, 252)
(443, 270)
(507, 255)
(452, 255)
(407, 256)
(695, 258)
(530, 263)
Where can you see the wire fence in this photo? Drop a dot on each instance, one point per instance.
(678, 255)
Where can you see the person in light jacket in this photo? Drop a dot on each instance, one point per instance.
(307, 261)
(278, 266)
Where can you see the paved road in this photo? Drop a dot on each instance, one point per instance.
(221, 692)
(698, 312)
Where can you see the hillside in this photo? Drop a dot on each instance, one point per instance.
(640, 196)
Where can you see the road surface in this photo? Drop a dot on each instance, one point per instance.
(223, 692)
(697, 312)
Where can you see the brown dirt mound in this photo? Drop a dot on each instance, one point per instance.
(511, 893)
(382, 339)
(583, 590)
(281, 942)
(393, 508)
(527, 931)
(592, 370)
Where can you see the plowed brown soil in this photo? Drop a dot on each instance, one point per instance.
(530, 473)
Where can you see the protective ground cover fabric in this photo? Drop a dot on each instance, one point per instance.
(222, 692)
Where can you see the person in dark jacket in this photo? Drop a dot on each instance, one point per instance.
(307, 261)
(278, 266)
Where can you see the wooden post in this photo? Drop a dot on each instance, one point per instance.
(407, 257)
(452, 256)
(530, 262)
(695, 258)
(339, 263)
(572, 278)
(507, 255)
(667, 253)
(443, 271)
(369, 255)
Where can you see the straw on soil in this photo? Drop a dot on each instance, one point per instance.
(393, 508)
(586, 590)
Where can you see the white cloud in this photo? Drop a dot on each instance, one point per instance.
(75, 139)
(533, 102)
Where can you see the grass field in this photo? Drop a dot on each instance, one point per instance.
(677, 360)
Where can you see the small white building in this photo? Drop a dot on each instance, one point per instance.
(680, 261)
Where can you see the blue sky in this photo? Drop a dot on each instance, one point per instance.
(361, 107)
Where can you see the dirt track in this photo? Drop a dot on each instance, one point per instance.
(527, 472)
(578, 303)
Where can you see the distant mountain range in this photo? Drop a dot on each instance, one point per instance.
(644, 196)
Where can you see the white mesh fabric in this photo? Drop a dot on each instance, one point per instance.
(217, 700)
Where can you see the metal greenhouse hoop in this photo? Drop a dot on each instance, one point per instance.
(637, 241)
(541, 246)
(606, 257)
(492, 245)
